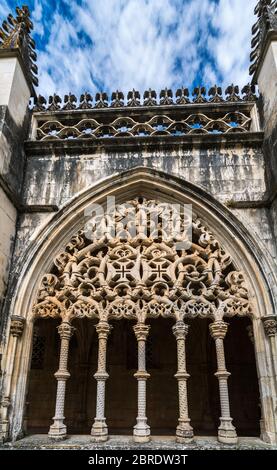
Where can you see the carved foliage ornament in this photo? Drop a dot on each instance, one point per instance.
(146, 275)
(16, 34)
(270, 325)
(17, 326)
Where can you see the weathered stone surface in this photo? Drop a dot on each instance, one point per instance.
(7, 235)
(125, 443)
(212, 154)
(235, 174)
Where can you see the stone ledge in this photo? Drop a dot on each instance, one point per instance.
(78, 442)
(40, 147)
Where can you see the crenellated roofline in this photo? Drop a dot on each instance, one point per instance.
(150, 98)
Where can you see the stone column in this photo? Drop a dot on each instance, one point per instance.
(16, 330)
(226, 431)
(58, 429)
(141, 429)
(99, 430)
(184, 431)
(270, 328)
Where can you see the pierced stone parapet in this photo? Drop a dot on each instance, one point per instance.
(200, 95)
(63, 119)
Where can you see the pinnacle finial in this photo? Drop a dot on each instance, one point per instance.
(266, 11)
(16, 34)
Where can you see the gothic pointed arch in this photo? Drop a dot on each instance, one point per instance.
(247, 252)
(65, 274)
(140, 272)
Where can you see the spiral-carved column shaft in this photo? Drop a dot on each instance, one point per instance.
(58, 429)
(141, 429)
(184, 431)
(226, 431)
(99, 430)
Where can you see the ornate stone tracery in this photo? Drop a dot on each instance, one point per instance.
(143, 276)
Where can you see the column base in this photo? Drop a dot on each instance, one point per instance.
(141, 439)
(262, 428)
(4, 430)
(58, 431)
(99, 431)
(227, 432)
(184, 433)
(269, 437)
(141, 432)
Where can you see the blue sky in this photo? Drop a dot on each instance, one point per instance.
(104, 45)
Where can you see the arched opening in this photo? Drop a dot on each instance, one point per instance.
(162, 392)
(121, 390)
(161, 361)
(214, 218)
(41, 394)
(243, 382)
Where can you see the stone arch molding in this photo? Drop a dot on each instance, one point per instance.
(143, 273)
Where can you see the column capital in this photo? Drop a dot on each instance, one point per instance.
(103, 329)
(6, 401)
(180, 330)
(270, 325)
(141, 331)
(65, 330)
(17, 325)
(218, 329)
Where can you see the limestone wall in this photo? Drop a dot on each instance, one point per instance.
(229, 174)
(14, 123)
(232, 175)
(259, 222)
(7, 233)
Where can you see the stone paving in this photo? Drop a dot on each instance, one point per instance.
(75, 442)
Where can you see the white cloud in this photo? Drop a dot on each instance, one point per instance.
(4, 9)
(37, 18)
(142, 43)
(234, 19)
